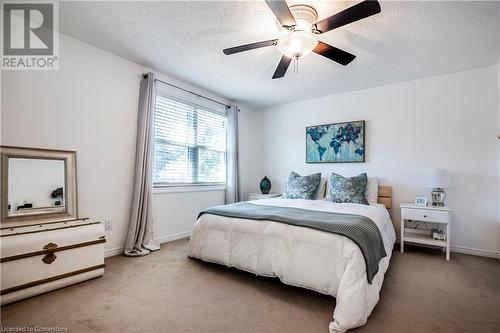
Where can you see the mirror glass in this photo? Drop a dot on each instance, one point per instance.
(35, 186)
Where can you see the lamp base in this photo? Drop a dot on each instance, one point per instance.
(438, 195)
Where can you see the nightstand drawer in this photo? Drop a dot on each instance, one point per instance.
(258, 196)
(424, 215)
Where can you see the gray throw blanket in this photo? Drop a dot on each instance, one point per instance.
(360, 229)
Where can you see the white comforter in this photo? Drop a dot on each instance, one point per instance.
(327, 263)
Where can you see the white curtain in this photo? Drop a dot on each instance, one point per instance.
(232, 168)
(140, 240)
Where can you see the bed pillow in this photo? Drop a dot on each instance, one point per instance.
(371, 194)
(321, 189)
(298, 187)
(349, 190)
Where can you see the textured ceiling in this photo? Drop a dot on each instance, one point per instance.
(407, 40)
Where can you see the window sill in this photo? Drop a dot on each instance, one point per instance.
(194, 188)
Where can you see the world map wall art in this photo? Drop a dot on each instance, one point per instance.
(336, 143)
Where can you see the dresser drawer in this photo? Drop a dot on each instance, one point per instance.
(424, 215)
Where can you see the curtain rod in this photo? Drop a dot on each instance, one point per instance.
(188, 91)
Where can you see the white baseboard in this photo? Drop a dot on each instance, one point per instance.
(114, 252)
(119, 250)
(173, 237)
(465, 250)
(476, 252)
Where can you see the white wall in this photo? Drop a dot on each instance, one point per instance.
(447, 121)
(251, 151)
(90, 105)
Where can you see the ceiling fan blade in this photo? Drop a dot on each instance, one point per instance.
(282, 12)
(349, 15)
(282, 67)
(333, 53)
(250, 46)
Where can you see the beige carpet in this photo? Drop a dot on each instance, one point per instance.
(167, 292)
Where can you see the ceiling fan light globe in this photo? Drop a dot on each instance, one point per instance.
(303, 25)
(297, 44)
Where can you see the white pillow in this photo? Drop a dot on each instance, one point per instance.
(321, 189)
(371, 193)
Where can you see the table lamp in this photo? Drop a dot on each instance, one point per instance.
(437, 179)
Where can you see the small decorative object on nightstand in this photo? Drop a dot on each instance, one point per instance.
(434, 214)
(438, 179)
(421, 201)
(265, 185)
(258, 196)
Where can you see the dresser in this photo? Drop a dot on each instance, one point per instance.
(428, 215)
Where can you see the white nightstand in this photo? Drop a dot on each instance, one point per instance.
(432, 214)
(257, 196)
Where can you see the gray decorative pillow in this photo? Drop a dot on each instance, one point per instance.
(299, 187)
(341, 189)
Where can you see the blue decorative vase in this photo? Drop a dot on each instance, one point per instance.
(265, 185)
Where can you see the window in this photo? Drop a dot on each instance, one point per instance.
(190, 143)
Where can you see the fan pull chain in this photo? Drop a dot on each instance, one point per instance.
(296, 65)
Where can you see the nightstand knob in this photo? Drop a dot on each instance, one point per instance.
(425, 215)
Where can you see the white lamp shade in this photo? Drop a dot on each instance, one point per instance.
(437, 178)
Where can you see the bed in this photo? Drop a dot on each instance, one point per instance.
(325, 262)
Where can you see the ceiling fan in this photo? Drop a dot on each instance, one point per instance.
(301, 30)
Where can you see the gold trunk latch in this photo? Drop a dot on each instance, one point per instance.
(50, 256)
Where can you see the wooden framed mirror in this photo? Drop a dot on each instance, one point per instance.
(38, 185)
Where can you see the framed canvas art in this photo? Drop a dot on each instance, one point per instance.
(336, 143)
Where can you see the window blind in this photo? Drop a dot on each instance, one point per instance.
(190, 143)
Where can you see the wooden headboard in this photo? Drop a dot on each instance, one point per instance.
(385, 196)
